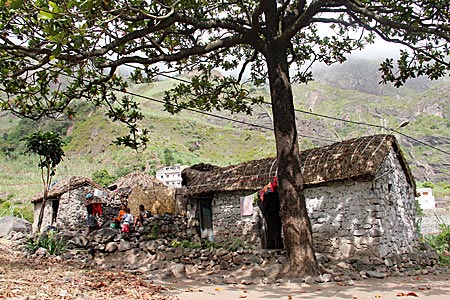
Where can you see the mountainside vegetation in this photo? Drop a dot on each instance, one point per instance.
(192, 137)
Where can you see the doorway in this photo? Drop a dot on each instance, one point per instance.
(205, 217)
(271, 225)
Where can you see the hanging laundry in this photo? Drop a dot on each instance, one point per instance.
(261, 194)
(268, 188)
(274, 184)
(246, 208)
(97, 209)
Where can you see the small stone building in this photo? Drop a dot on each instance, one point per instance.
(64, 206)
(360, 197)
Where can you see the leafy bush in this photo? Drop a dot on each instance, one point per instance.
(186, 244)
(55, 244)
(428, 184)
(236, 244)
(154, 232)
(209, 244)
(103, 178)
(441, 243)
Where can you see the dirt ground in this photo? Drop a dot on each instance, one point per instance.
(428, 287)
(24, 278)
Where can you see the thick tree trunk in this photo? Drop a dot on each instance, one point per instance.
(296, 224)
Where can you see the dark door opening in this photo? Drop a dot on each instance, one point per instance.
(205, 216)
(271, 223)
(55, 208)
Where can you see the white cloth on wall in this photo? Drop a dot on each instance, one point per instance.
(247, 205)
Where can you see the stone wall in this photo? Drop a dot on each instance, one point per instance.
(364, 218)
(72, 212)
(168, 227)
(231, 266)
(228, 224)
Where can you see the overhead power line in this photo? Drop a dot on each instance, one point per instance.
(209, 114)
(219, 117)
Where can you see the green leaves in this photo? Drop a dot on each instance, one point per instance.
(16, 4)
(48, 146)
(45, 15)
(207, 93)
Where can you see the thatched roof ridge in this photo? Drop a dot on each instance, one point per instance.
(137, 179)
(142, 188)
(65, 185)
(350, 159)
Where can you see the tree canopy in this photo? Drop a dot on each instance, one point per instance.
(54, 53)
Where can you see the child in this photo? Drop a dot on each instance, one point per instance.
(127, 220)
(122, 212)
(143, 215)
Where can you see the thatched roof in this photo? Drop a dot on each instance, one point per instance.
(141, 188)
(356, 158)
(65, 185)
(137, 179)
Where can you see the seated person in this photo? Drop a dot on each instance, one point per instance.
(142, 216)
(122, 212)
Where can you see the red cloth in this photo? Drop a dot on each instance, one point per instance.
(261, 194)
(97, 209)
(125, 227)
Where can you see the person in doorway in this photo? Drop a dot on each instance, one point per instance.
(141, 219)
(127, 220)
(91, 220)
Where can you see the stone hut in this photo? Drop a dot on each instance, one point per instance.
(141, 188)
(360, 197)
(64, 206)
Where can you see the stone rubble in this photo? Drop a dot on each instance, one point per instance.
(107, 249)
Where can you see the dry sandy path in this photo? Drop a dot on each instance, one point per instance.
(429, 287)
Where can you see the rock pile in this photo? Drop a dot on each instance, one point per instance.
(168, 257)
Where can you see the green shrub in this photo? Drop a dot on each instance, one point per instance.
(186, 244)
(103, 178)
(212, 244)
(441, 243)
(55, 244)
(154, 232)
(236, 244)
(428, 184)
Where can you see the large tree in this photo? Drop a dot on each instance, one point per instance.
(56, 52)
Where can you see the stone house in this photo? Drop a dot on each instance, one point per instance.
(64, 206)
(360, 197)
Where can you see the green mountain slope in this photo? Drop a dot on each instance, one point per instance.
(191, 137)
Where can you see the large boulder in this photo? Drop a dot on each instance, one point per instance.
(13, 224)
